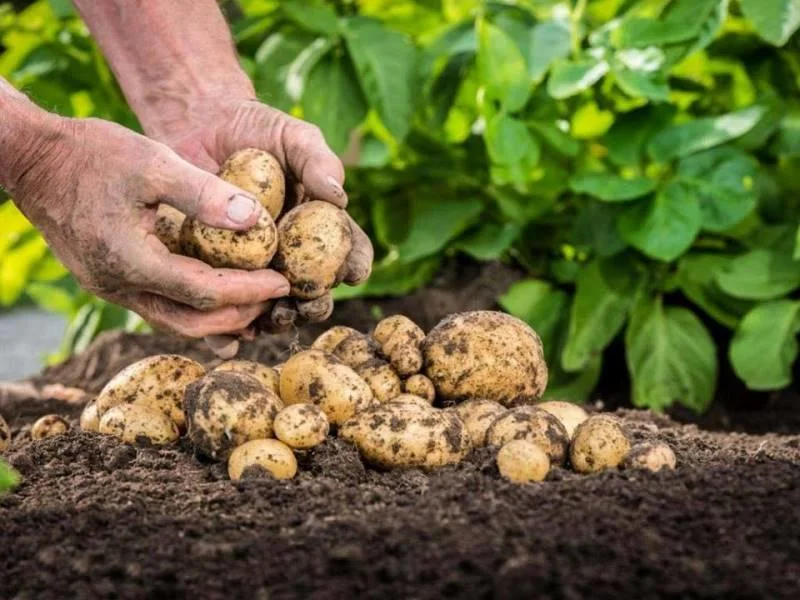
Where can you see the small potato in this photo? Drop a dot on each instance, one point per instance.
(168, 227)
(316, 310)
(90, 420)
(420, 385)
(653, 456)
(403, 434)
(532, 424)
(266, 375)
(222, 248)
(381, 378)
(314, 242)
(49, 426)
(158, 382)
(301, 426)
(138, 424)
(5, 435)
(355, 350)
(259, 456)
(411, 399)
(478, 416)
(227, 409)
(258, 173)
(328, 340)
(599, 443)
(485, 354)
(314, 377)
(522, 461)
(571, 415)
(400, 339)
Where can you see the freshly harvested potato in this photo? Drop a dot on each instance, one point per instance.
(381, 378)
(138, 424)
(485, 354)
(157, 381)
(404, 434)
(266, 375)
(259, 456)
(328, 340)
(571, 415)
(411, 399)
(478, 416)
(599, 443)
(314, 377)
(532, 424)
(49, 426)
(5, 435)
(355, 350)
(400, 339)
(653, 456)
(420, 385)
(301, 426)
(316, 310)
(90, 420)
(225, 409)
(522, 461)
(168, 227)
(222, 248)
(314, 240)
(258, 173)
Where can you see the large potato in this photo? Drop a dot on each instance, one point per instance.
(522, 461)
(329, 339)
(49, 426)
(485, 354)
(138, 424)
(222, 248)
(301, 426)
(381, 378)
(599, 443)
(227, 409)
(478, 416)
(266, 375)
(314, 240)
(314, 377)
(5, 435)
(400, 339)
(571, 415)
(258, 456)
(168, 227)
(403, 434)
(258, 173)
(532, 424)
(157, 382)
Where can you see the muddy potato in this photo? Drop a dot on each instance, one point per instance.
(316, 310)
(301, 426)
(522, 461)
(652, 456)
(532, 424)
(168, 227)
(381, 378)
(266, 375)
(138, 424)
(258, 173)
(404, 434)
(485, 354)
(314, 240)
(49, 426)
(478, 416)
(420, 385)
(411, 399)
(314, 377)
(256, 457)
(90, 420)
(227, 409)
(599, 443)
(355, 350)
(400, 339)
(157, 381)
(222, 248)
(571, 415)
(328, 340)
(5, 435)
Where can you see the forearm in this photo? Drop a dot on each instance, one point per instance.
(171, 57)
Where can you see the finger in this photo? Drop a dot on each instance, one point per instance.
(225, 347)
(313, 163)
(358, 265)
(317, 310)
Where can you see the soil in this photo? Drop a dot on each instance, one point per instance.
(95, 518)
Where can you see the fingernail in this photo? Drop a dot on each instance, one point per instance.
(283, 289)
(336, 186)
(241, 208)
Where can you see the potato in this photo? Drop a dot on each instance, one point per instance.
(411, 399)
(522, 461)
(328, 340)
(227, 409)
(168, 227)
(259, 173)
(157, 381)
(599, 443)
(266, 375)
(90, 420)
(5, 435)
(571, 415)
(138, 424)
(355, 350)
(316, 310)
(314, 377)
(478, 416)
(420, 385)
(259, 456)
(314, 240)
(403, 434)
(400, 339)
(532, 424)
(488, 355)
(301, 426)
(49, 426)
(381, 378)
(653, 456)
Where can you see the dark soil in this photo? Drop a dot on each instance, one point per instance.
(95, 518)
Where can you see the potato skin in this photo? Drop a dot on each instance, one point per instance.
(314, 377)
(570, 414)
(168, 227)
(259, 173)
(355, 350)
(522, 461)
(532, 424)
(485, 354)
(653, 456)
(314, 239)
(400, 339)
(411, 399)
(225, 409)
(420, 385)
(222, 248)
(301, 426)
(328, 340)
(156, 381)
(90, 420)
(257, 456)
(381, 379)
(5, 435)
(49, 426)
(316, 310)
(266, 375)
(599, 443)
(138, 424)
(478, 416)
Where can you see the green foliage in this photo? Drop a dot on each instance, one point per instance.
(9, 478)
(637, 158)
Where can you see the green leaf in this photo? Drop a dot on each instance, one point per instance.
(385, 62)
(311, 16)
(682, 21)
(62, 8)
(701, 134)
(550, 41)
(435, 222)
(775, 20)
(595, 226)
(787, 142)
(696, 278)
(611, 188)
(298, 72)
(540, 305)
(50, 297)
(502, 68)
(662, 227)
(511, 145)
(558, 140)
(797, 245)
(490, 241)
(391, 278)
(765, 346)
(49, 269)
(273, 61)
(652, 86)
(761, 274)
(16, 267)
(390, 220)
(571, 78)
(341, 108)
(573, 386)
(9, 478)
(671, 357)
(631, 131)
